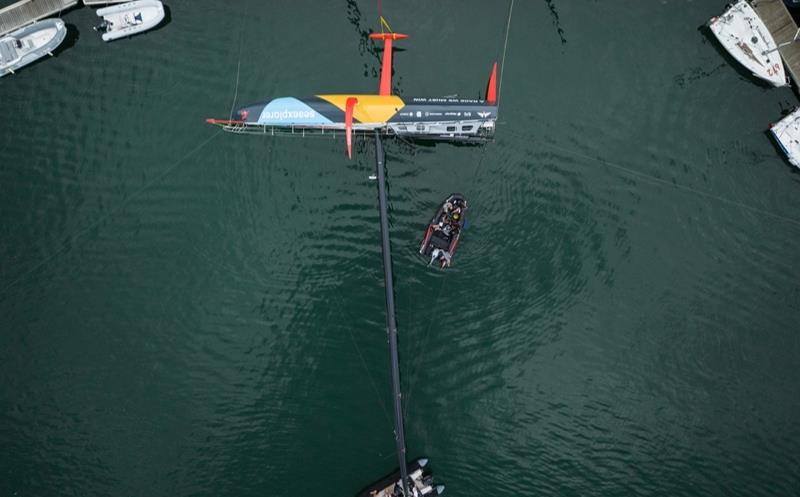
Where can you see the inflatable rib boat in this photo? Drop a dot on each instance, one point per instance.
(128, 19)
(444, 231)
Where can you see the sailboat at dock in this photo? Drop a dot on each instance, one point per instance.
(743, 34)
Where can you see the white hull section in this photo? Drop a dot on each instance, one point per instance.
(471, 128)
(743, 34)
(452, 131)
(787, 134)
(128, 19)
(30, 43)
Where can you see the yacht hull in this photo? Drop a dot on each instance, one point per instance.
(746, 38)
(786, 133)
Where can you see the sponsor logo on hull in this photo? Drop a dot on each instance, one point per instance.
(290, 111)
(372, 110)
(288, 114)
(443, 112)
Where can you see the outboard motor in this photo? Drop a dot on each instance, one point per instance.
(103, 27)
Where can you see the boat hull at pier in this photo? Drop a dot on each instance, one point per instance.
(743, 34)
(29, 44)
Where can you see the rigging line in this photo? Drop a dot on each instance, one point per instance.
(410, 144)
(238, 67)
(425, 339)
(480, 162)
(349, 318)
(236, 90)
(77, 234)
(385, 24)
(503, 59)
(678, 186)
(369, 375)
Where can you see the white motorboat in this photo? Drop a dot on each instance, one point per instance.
(743, 34)
(128, 19)
(30, 43)
(787, 133)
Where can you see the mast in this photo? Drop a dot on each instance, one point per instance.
(391, 321)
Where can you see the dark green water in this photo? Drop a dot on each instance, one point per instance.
(193, 313)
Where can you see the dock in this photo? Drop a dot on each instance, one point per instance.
(781, 25)
(24, 12)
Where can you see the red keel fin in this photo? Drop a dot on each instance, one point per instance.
(386, 66)
(491, 87)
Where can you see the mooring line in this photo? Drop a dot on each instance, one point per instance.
(236, 90)
(71, 238)
(349, 320)
(677, 186)
(503, 59)
(238, 67)
(417, 357)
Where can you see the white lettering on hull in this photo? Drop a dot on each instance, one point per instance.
(288, 114)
